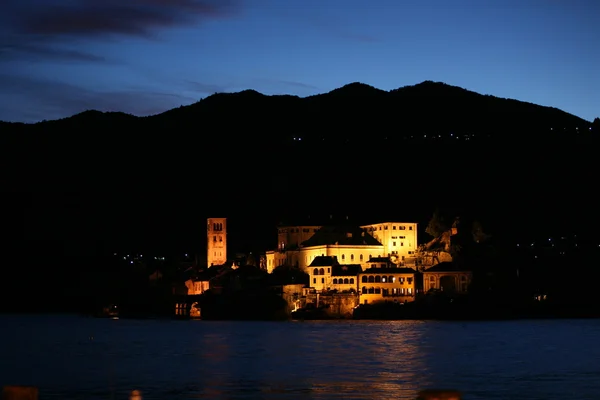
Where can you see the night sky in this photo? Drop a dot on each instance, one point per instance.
(143, 57)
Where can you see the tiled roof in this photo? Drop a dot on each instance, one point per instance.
(341, 235)
(324, 261)
(209, 273)
(446, 266)
(389, 271)
(346, 270)
(379, 260)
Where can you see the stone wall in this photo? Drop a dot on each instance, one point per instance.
(337, 305)
(292, 294)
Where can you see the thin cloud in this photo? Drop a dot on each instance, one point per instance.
(321, 18)
(48, 99)
(106, 17)
(42, 29)
(37, 52)
(283, 86)
(297, 84)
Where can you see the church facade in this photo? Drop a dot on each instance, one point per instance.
(300, 245)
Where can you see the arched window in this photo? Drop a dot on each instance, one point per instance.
(351, 281)
(343, 257)
(361, 257)
(351, 257)
(335, 281)
(364, 290)
(390, 279)
(377, 279)
(371, 279)
(364, 279)
(322, 271)
(346, 281)
(316, 271)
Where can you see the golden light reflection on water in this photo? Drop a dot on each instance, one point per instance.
(215, 353)
(378, 360)
(392, 364)
(317, 359)
(215, 347)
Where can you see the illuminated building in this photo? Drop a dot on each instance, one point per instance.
(399, 239)
(300, 245)
(216, 241)
(387, 284)
(326, 273)
(447, 277)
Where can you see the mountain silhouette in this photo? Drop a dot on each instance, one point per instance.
(428, 107)
(357, 147)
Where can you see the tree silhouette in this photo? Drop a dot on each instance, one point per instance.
(251, 260)
(436, 225)
(479, 236)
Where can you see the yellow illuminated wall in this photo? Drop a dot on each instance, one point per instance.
(290, 237)
(196, 287)
(345, 254)
(399, 239)
(275, 259)
(320, 277)
(302, 257)
(217, 241)
(386, 284)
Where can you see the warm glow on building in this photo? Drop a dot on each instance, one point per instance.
(399, 239)
(303, 257)
(195, 287)
(299, 246)
(326, 273)
(387, 284)
(216, 241)
(291, 237)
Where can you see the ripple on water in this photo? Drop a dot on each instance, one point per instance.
(312, 359)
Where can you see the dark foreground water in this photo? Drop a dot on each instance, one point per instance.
(70, 357)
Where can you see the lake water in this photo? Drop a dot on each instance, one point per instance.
(71, 357)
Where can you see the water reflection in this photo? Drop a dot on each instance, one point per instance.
(307, 360)
(315, 359)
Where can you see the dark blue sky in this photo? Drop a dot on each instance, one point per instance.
(147, 56)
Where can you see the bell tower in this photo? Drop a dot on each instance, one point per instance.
(216, 248)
